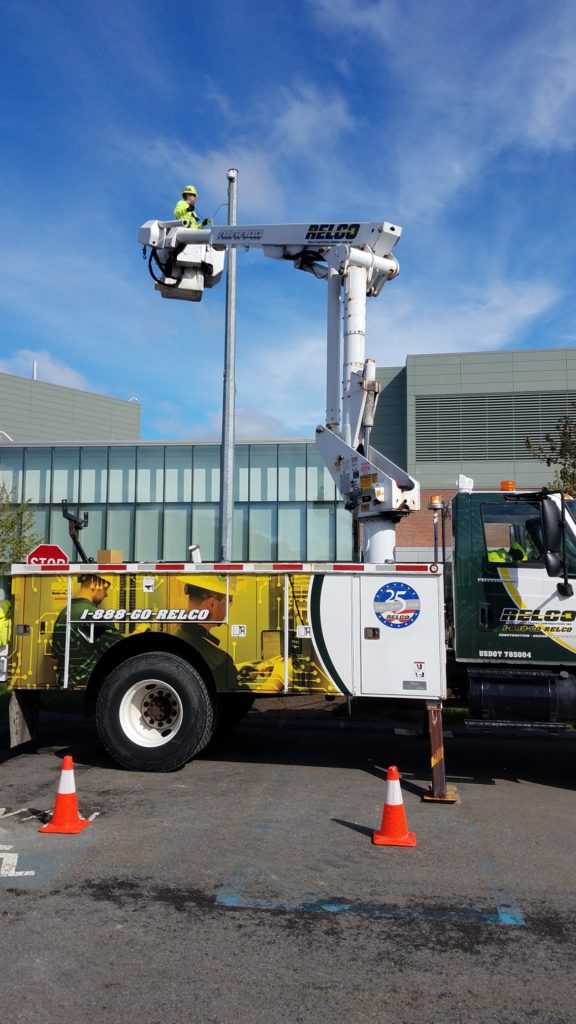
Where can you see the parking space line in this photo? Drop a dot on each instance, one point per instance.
(507, 910)
(231, 896)
(233, 900)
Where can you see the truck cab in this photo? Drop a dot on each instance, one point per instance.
(513, 619)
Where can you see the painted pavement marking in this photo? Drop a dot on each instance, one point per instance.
(233, 895)
(9, 862)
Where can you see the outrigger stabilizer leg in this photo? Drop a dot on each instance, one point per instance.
(439, 792)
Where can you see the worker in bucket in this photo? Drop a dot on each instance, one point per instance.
(208, 596)
(90, 635)
(186, 209)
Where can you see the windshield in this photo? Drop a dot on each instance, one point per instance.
(512, 532)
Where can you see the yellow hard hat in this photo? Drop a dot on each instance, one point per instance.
(93, 577)
(189, 188)
(215, 583)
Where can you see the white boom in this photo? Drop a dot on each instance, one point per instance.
(353, 258)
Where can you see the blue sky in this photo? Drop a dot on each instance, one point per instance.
(453, 118)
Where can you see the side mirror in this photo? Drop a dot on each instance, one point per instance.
(553, 563)
(554, 553)
(552, 527)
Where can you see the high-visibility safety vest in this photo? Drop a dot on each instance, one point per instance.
(5, 623)
(184, 212)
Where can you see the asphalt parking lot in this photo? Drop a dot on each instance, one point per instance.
(246, 888)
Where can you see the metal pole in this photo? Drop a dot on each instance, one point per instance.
(229, 393)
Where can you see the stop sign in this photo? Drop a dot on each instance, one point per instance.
(48, 554)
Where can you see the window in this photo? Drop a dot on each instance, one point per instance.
(320, 483)
(292, 472)
(241, 456)
(292, 532)
(150, 477)
(240, 534)
(206, 474)
(262, 532)
(178, 473)
(263, 472)
(205, 520)
(120, 531)
(93, 474)
(148, 533)
(11, 471)
(321, 533)
(512, 532)
(122, 474)
(343, 534)
(37, 473)
(177, 533)
(40, 523)
(65, 474)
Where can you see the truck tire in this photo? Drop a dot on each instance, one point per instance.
(154, 713)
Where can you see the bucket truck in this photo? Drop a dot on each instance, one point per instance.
(136, 637)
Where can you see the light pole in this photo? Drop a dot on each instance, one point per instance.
(229, 391)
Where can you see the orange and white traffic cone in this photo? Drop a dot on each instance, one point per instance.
(65, 817)
(393, 830)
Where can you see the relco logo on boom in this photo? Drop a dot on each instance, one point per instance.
(332, 232)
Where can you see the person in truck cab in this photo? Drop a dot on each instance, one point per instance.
(515, 553)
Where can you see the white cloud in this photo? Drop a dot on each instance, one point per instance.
(254, 425)
(376, 18)
(475, 84)
(258, 187)
(290, 383)
(170, 421)
(535, 94)
(272, 137)
(48, 369)
(489, 321)
(310, 120)
(173, 420)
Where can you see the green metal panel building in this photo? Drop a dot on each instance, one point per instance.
(470, 412)
(31, 410)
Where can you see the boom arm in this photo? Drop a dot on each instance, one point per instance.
(353, 258)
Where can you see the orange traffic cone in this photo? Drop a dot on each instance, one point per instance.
(65, 818)
(393, 830)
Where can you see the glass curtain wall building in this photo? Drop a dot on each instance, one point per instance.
(151, 501)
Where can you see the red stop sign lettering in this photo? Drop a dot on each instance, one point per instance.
(48, 554)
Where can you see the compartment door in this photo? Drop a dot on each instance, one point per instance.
(402, 649)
